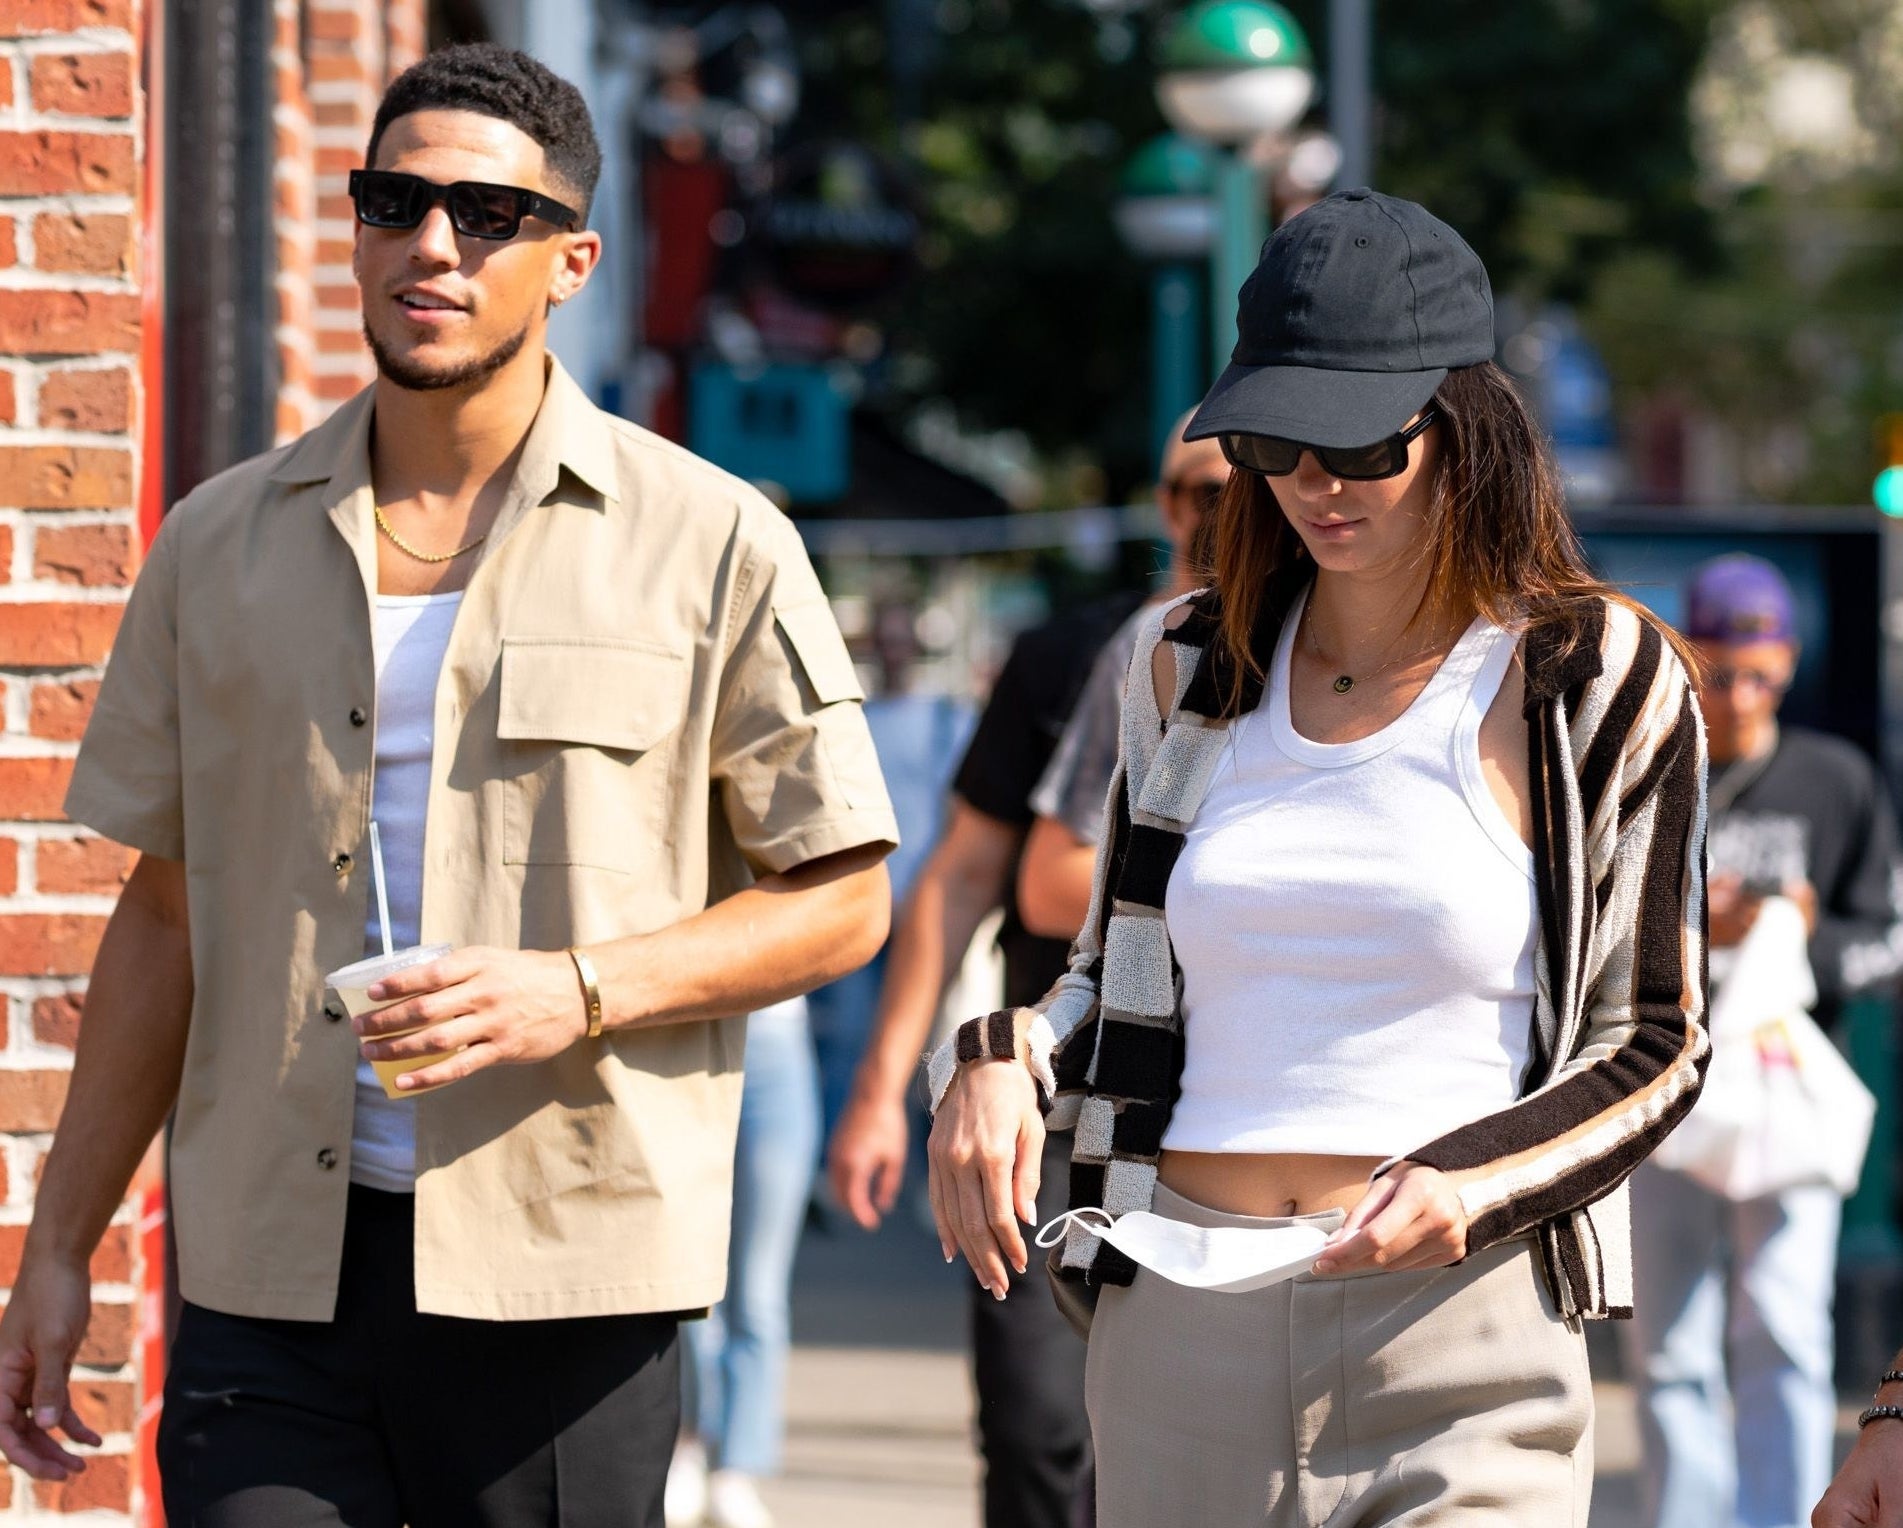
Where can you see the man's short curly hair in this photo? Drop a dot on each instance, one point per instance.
(512, 87)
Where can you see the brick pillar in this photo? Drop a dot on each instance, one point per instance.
(70, 157)
(296, 220)
(406, 34)
(345, 64)
(332, 60)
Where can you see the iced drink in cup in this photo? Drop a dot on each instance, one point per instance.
(352, 985)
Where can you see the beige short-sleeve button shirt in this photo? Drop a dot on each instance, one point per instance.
(644, 703)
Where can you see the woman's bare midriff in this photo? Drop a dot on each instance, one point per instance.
(1279, 1184)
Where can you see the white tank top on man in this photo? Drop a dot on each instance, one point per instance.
(411, 634)
(1356, 925)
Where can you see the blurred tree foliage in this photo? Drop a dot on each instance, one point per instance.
(1793, 345)
(1554, 134)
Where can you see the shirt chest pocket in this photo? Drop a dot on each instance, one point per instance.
(586, 731)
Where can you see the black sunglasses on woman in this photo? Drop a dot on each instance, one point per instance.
(1272, 456)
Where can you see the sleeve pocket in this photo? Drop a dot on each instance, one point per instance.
(599, 694)
(813, 634)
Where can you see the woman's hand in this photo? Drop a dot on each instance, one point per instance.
(987, 1143)
(1409, 1218)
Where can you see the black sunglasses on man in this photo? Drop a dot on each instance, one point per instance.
(391, 199)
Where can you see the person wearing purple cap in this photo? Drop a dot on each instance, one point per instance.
(1732, 1344)
(1394, 962)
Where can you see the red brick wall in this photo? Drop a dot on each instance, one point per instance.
(70, 156)
(333, 59)
(296, 228)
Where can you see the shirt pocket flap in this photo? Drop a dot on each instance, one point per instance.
(601, 694)
(814, 637)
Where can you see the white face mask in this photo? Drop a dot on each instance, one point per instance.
(1225, 1259)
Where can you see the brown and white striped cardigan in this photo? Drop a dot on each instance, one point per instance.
(1617, 769)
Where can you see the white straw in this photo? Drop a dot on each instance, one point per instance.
(383, 893)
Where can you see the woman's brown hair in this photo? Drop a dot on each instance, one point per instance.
(1499, 540)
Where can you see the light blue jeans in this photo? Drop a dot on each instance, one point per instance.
(739, 1353)
(1730, 1347)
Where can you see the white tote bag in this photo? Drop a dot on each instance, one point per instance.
(1780, 1107)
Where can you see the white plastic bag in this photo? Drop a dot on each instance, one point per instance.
(1780, 1107)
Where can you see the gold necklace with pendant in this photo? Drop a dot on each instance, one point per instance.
(409, 551)
(1344, 683)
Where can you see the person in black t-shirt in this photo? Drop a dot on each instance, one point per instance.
(1033, 699)
(1736, 1296)
(1029, 1366)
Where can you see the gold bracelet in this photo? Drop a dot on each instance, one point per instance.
(590, 989)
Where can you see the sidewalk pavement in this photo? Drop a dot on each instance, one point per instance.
(880, 1404)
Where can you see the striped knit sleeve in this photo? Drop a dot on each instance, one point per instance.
(1623, 832)
(1058, 1028)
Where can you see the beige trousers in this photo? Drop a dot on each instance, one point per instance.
(1450, 1397)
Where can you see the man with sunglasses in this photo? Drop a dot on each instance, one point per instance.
(1736, 1297)
(590, 692)
(1054, 875)
(1028, 1367)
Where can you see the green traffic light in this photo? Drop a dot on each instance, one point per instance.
(1888, 491)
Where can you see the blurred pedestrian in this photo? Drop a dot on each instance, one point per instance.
(1868, 1490)
(1054, 875)
(554, 659)
(1371, 981)
(1732, 1346)
(738, 1354)
(919, 735)
(1027, 1365)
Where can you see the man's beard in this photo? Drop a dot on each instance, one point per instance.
(420, 379)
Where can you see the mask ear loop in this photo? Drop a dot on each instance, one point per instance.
(1057, 1225)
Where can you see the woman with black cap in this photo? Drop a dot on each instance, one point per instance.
(1395, 963)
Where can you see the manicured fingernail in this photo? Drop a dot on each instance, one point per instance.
(406, 1081)
(46, 1416)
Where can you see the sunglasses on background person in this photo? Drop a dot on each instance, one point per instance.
(1723, 676)
(391, 199)
(1201, 495)
(1273, 456)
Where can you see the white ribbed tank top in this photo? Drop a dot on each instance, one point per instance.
(410, 636)
(1356, 925)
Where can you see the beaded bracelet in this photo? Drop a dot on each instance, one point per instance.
(1875, 1413)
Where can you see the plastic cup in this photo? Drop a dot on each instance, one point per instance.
(352, 985)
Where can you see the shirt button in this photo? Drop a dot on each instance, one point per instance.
(327, 1159)
(341, 863)
(358, 716)
(333, 1013)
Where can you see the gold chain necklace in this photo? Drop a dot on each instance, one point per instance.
(403, 546)
(1346, 682)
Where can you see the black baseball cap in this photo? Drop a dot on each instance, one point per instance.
(1358, 309)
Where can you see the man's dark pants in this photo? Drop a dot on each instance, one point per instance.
(382, 1417)
(1029, 1376)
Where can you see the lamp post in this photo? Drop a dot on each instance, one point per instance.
(1167, 217)
(1233, 71)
